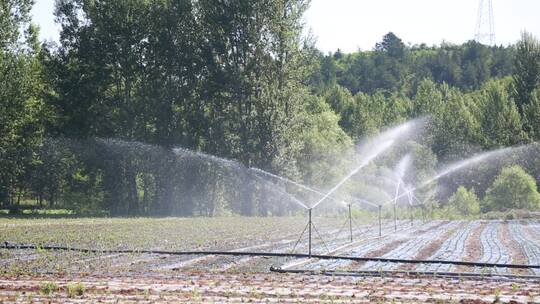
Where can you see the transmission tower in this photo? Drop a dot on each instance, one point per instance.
(485, 24)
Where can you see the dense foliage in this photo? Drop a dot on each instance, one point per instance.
(464, 202)
(237, 80)
(512, 189)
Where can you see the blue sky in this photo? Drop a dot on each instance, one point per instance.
(353, 24)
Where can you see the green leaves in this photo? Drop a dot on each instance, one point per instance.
(23, 113)
(527, 70)
(465, 202)
(500, 120)
(512, 189)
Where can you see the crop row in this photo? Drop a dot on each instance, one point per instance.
(527, 245)
(373, 245)
(408, 249)
(493, 250)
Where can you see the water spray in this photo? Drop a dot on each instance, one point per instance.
(458, 166)
(383, 147)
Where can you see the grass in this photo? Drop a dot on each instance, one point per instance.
(75, 290)
(48, 288)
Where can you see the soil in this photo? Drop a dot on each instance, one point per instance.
(473, 249)
(429, 249)
(206, 287)
(518, 256)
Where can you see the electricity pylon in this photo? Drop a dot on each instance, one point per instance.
(485, 24)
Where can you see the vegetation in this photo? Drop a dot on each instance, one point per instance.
(464, 202)
(48, 288)
(237, 80)
(512, 189)
(75, 290)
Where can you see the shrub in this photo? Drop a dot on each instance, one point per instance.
(48, 287)
(465, 202)
(75, 290)
(513, 188)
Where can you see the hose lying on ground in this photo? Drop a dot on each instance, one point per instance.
(393, 273)
(13, 246)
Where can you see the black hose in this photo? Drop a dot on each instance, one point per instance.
(431, 274)
(268, 254)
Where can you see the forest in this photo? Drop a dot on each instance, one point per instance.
(97, 122)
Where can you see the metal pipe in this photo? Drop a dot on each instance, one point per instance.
(395, 218)
(310, 224)
(350, 222)
(380, 220)
(395, 203)
(397, 273)
(412, 215)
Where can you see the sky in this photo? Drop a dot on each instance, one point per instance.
(358, 24)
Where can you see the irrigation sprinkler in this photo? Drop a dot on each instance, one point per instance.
(311, 229)
(380, 221)
(411, 208)
(395, 204)
(395, 218)
(350, 222)
(310, 224)
(411, 215)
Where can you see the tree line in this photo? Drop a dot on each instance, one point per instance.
(91, 123)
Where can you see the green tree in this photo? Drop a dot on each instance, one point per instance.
(527, 69)
(513, 188)
(455, 128)
(343, 103)
(14, 16)
(23, 87)
(532, 116)
(465, 202)
(392, 45)
(324, 144)
(500, 121)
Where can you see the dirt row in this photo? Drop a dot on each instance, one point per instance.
(267, 288)
(477, 241)
(481, 241)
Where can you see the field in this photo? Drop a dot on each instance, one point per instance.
(108, 276)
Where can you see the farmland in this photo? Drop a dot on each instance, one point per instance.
(158, 277)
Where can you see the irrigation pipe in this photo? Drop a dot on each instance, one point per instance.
(386, 273)
(11, 246)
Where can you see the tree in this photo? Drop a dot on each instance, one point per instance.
(526, 70)
(23, 87)
(15, 15)
(500, 121)
(323, 144)
(513, 188)
(391, 45)
(532, 116)
(465, 202)
(455, 128)
(343, 103)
